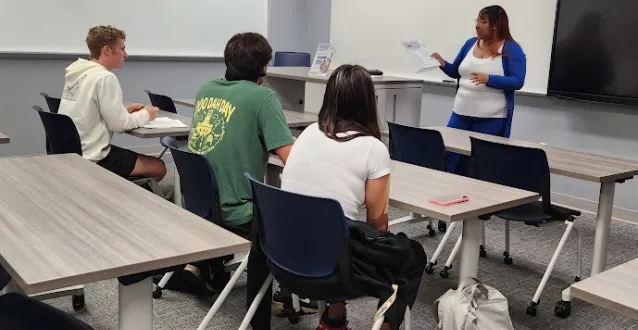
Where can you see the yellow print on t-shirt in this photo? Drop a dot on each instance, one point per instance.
(209, 124)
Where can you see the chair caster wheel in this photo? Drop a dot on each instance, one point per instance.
(577, 279)
(432, 232)
(157, 293)
(428, 268)
(293, 319)
(482, 252)
(563, 309)
(442, 226)
(531, 309)
(78, 302)
(444, 273)
(507, 260)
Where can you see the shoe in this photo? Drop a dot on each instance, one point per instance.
(195, 278)
(282, 305)
(323, 323)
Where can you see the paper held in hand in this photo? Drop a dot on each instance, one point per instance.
(165, 122)
(321, 63)
(421, 55)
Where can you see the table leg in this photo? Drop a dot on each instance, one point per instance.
(603, 221)
(273, 176)
(177, 192)
(136, 305)
(469, 249)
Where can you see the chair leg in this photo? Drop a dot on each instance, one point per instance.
(430, 226)
(448, 264)
(161, 154)
(482, 252)
(579, 254)
(160, 286)
(407, 319)
(253, 306)
(531, 310)
(226, 291)
(435, 256)
(507, 260)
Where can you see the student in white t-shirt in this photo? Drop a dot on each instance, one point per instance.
(342, 157)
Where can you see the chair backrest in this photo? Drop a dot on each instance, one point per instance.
(513, 166)
(62, 135)
(162, 101)
(200, 193)
(302, 235)
(292, 59)
(417, 146)
(52, 102)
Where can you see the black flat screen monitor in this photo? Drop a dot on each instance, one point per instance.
(595, 51)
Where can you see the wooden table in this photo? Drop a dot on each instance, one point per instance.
(606, 171)
(614, 289)
(295, 119)
(4, 139)
(412, 186)
(66, 221)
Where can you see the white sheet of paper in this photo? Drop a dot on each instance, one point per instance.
(321, 63)
(420, 53)
(165, 122)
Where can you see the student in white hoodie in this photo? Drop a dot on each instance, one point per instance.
(92, 98)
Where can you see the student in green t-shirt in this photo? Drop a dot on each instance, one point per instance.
(236, 124)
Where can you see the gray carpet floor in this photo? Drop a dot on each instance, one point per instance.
(531, 250)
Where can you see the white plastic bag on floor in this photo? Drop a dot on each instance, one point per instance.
(473, 306)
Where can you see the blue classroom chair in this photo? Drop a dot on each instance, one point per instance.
(288, 239)
(292, 59)
(527, 169)
(200, 195)
(18, 312)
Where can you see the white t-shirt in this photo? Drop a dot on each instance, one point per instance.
(322, 167)
(479, 100)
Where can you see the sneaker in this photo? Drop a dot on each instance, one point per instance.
(282, 305)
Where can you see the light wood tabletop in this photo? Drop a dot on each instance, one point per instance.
(614, 289)
(4, 139)
(294, 119)
(412, 186)
(147, 133)
(66, 221)
(574, 164)
(301, 74)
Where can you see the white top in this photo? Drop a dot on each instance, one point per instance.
(322, 167)
(92, 97)
(479, 100)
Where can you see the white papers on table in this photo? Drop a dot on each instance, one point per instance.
(421, 55)
(321, 63)
(165, 122)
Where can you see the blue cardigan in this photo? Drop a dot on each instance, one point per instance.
(514, 67)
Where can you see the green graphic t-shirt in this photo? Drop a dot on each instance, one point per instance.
(235, 125)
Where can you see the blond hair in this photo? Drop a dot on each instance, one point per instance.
(103, 35)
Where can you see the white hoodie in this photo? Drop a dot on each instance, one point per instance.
(92, 97)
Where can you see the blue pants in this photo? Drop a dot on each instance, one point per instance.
(457, 163)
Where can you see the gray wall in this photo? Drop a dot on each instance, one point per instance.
(600, 129)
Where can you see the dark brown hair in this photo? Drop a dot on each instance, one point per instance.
(349, 104)
(499, 21)
(245, 56)
(100, 36)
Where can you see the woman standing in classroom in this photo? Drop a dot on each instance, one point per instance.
(489, 68)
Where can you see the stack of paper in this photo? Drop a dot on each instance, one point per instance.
(165, 122)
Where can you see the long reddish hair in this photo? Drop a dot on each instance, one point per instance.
(497, 17)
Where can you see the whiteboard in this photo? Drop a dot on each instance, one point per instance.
(369, 33)
(192, 28)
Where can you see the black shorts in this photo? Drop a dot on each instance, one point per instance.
(119, 161)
